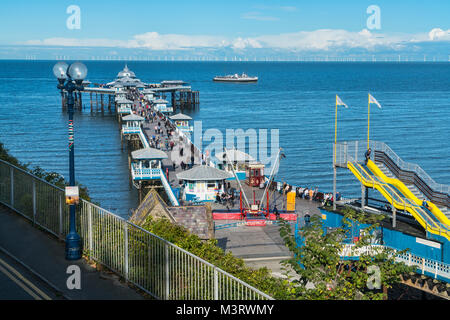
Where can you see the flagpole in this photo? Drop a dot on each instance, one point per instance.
(335, 131)
(368, 119)
(334, 158)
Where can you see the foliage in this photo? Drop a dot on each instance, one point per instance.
(51, 177)
(209, 251)
(324, 274)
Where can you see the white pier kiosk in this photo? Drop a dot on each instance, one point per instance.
(182, 122)
(146, 164)
(132, 124)
(201, 183)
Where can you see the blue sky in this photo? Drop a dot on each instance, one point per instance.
(240, 25)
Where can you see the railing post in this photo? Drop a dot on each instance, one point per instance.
(60, 216)
(11, 169)
(125, 242)
(90, 230)
(423, 265)
(34, 201)
(167, 275)
(216, 284)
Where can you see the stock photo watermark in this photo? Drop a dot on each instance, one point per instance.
(74, 280)
(374, 20)
(374, 279)
(252, 144)
(73, 22)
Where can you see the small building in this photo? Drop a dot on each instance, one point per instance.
(148, 94)
(182, 122)
(161, 106)
(124, 105)
(254, 173)
(172, 83)
(132, 124)
(202, 183)
(146, 164)
(239, 161)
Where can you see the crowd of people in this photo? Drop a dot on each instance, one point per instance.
(165, 135)
(312, 194)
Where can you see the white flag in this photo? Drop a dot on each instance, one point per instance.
(339, 102)
(373, 100)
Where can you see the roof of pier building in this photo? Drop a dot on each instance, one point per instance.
(133, 117)
(148, 154)
(180, 116)
(161, 101)
(123, 101)
(126, 73)
(203, 173)
(234, 155)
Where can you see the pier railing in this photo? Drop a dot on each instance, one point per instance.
(436, 269)
(354, 151)
(149, 262)
(145, 173)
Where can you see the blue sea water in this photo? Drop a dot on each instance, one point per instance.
(296, 98)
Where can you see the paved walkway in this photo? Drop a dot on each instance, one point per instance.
(45, 255)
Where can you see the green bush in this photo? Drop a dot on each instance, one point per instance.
(209, 251)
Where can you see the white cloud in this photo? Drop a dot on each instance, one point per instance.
(240, 43)
(439, 34)
(258, 16)
(323, 39)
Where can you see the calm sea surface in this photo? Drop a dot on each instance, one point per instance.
(296, 98)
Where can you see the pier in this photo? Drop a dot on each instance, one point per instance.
(161, 156)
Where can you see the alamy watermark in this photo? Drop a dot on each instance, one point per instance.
(254, 143)
(74, 280)
(73, 22)
(374, 20)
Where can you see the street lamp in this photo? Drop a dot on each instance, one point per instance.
(70, 79)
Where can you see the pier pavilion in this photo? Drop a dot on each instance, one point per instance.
(146, 164)
(202, 183)
(127, 79)
(182, 122)
(132, 124)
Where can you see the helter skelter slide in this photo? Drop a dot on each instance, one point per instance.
(399, 196)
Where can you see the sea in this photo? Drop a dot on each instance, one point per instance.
(295, 98)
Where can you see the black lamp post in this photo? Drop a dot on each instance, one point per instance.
(70, 79)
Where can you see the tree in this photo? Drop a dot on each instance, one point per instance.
(323, 272)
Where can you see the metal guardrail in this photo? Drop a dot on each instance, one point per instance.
(356, 150)
(151, 263)
(436, 269)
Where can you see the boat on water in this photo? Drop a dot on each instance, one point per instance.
(236, 78)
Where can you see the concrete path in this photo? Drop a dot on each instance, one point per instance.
(44, 254)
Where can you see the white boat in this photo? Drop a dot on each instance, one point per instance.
(236, 78)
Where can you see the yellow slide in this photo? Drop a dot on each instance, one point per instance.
(401, 186)
(399, 200)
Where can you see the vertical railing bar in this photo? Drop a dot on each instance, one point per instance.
(34, 200)
(126, 249)
(11, 169)
(90, 230)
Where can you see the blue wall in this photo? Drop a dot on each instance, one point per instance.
(396, 239)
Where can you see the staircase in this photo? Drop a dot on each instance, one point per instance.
(412, 188)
